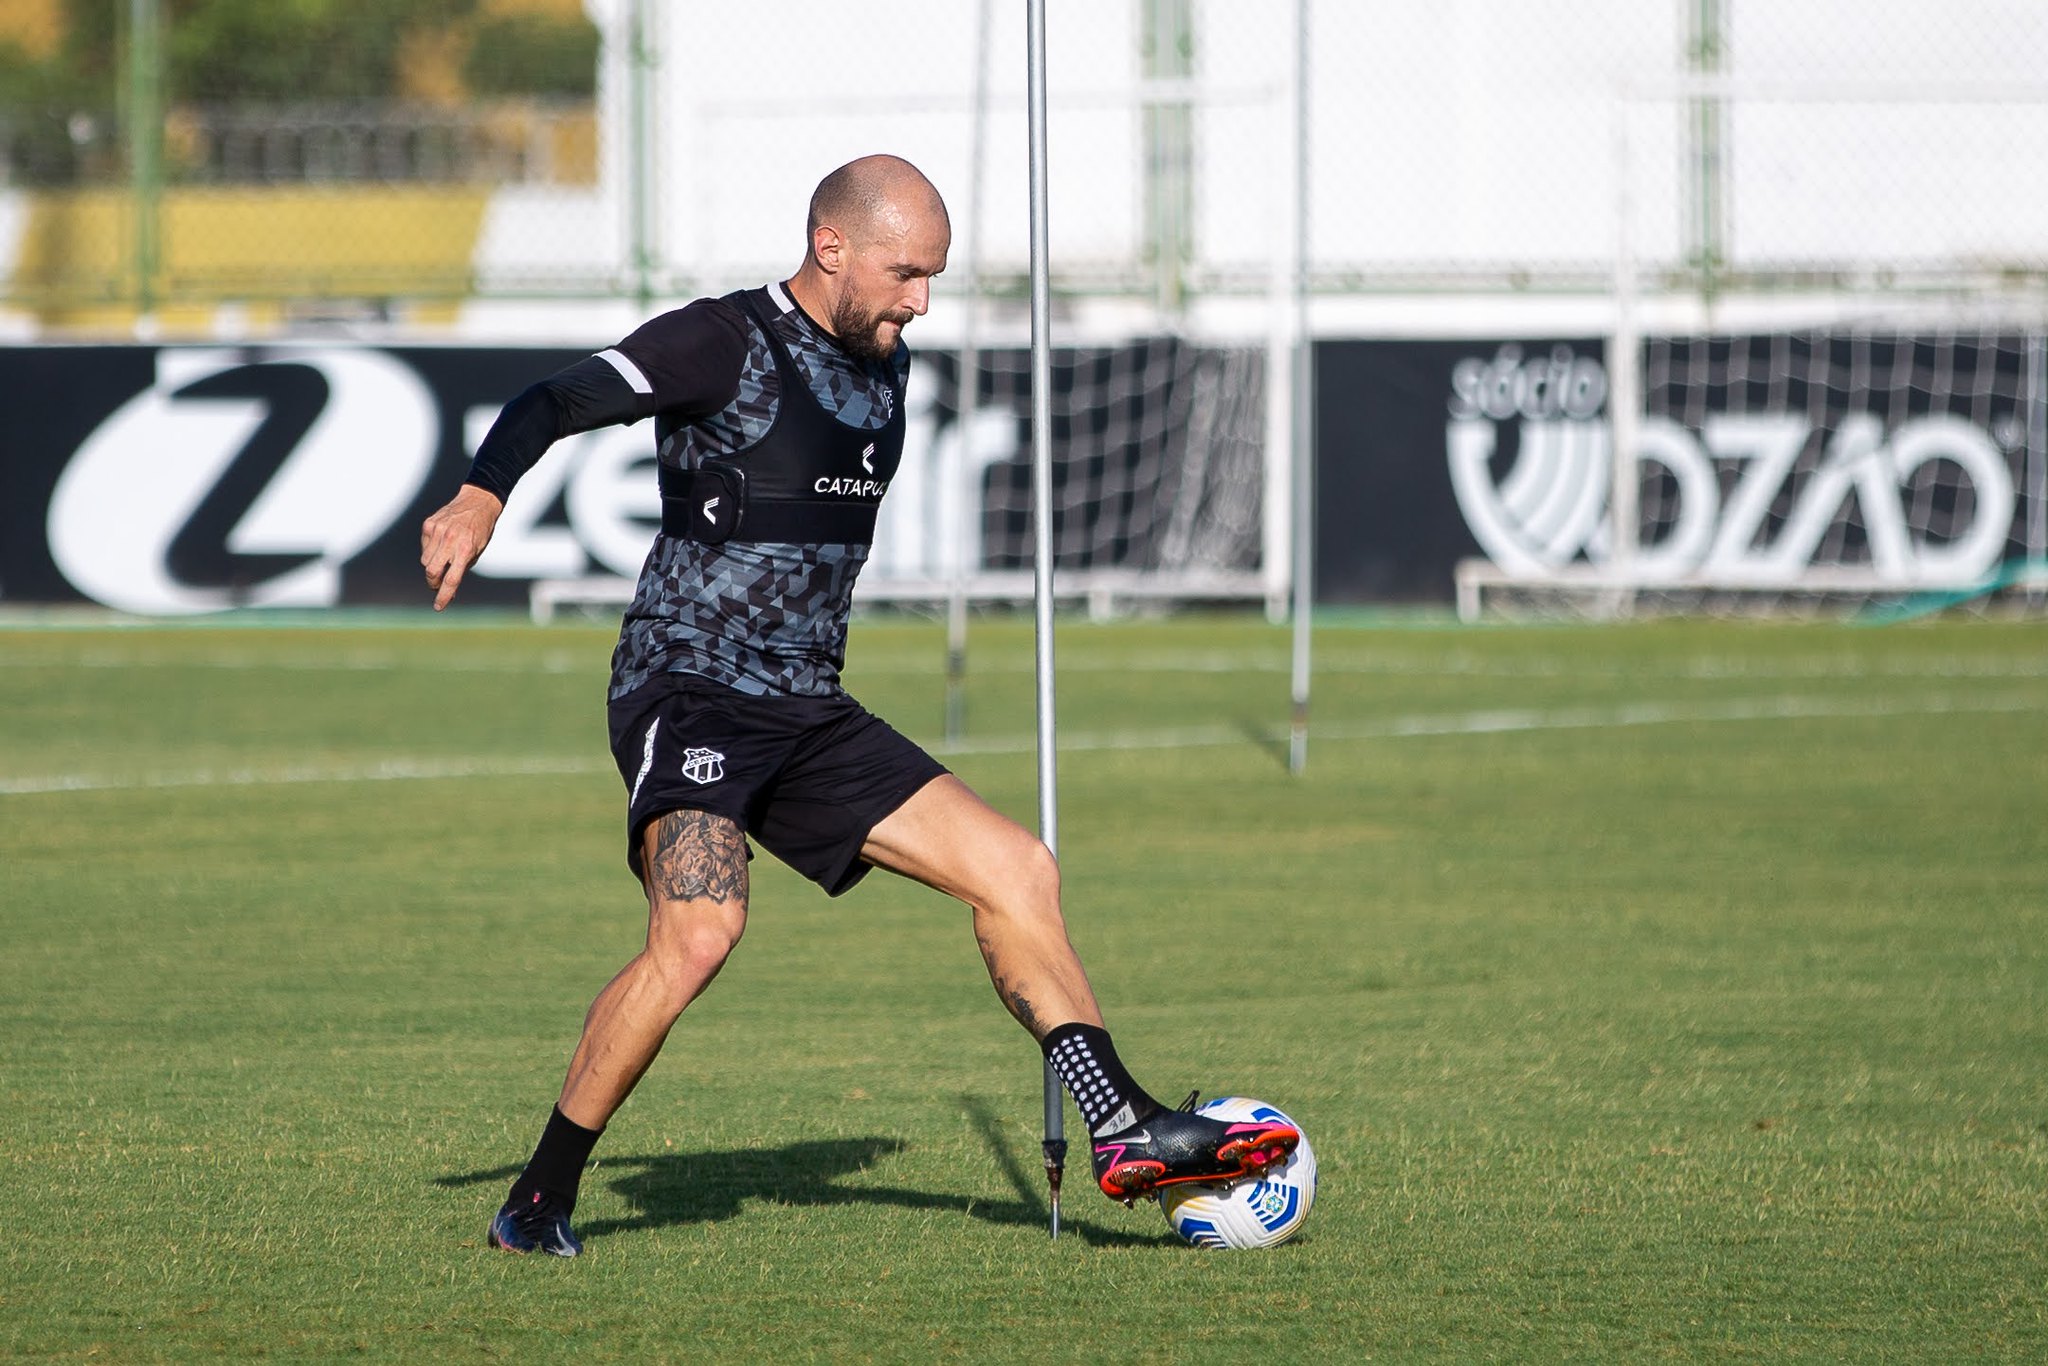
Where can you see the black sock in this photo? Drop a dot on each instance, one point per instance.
(557, 1162)
(1087, 1065)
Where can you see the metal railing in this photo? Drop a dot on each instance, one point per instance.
(524, 142)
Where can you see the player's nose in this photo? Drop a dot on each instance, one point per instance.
(919, 297)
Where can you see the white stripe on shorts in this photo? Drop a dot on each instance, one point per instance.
(646, 761)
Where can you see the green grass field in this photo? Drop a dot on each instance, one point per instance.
(1663, 991)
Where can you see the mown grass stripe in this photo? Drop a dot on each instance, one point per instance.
(1489, 722)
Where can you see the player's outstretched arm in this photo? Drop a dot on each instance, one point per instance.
(452, 538)
(687, 362)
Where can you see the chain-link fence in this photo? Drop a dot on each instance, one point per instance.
(195, 159)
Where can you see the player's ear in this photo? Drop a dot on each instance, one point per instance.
(828, 248)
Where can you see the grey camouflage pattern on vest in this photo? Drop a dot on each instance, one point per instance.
(760, 618)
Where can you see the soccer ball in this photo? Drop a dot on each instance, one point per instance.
(1259, 1211)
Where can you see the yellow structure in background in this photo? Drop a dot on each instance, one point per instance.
(34, 26)
(250, 246)
(250, 250)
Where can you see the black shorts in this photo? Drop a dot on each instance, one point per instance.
(806, 777)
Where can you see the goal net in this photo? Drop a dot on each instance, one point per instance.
(1812, 471)
(1157, 476)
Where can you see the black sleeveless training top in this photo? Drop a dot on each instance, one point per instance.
(803, 454)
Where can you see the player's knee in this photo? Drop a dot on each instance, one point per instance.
(1039, 877)
(1027, 882)
(712, 939)
(690, 949)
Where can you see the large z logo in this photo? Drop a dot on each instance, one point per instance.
(200, 493)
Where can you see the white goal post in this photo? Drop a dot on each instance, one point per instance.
(1591, 591)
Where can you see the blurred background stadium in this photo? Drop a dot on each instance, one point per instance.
(1705, 299)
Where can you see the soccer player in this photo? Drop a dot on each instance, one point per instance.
(778, 422)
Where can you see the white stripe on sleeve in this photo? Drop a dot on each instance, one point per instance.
(628, 371)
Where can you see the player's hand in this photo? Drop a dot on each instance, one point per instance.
(452, 538)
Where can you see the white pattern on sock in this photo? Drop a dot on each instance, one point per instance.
(1076, 1066)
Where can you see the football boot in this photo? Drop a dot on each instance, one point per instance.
(1178, 1146)
(539, 1224)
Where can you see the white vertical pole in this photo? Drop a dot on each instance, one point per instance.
(953, 487)
(1276, 487)
(1624, 363)
(145, 138)
(1302, 455)
(2037, 464)
(1041, 503)
(640, 187)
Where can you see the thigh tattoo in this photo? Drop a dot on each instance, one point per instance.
(699, 857)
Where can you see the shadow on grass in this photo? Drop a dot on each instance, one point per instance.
(1260, 734)
(663, 1189)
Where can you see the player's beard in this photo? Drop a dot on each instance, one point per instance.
(860, 332)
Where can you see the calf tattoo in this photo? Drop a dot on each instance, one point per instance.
(699, 857)
(1021, 1008)
(1013, 996)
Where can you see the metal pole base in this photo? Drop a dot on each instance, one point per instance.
(1055, 1169)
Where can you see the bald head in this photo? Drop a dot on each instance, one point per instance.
(878, 234)
(874, 193)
